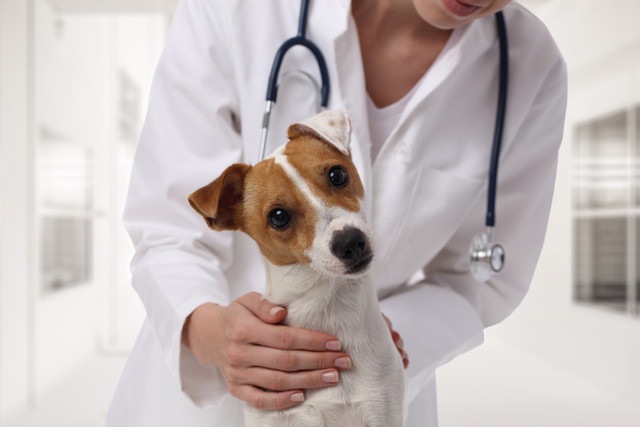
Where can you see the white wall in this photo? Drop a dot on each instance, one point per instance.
(71, 94)
(601, 43)
(15, 248)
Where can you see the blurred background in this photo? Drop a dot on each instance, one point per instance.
(74, 81)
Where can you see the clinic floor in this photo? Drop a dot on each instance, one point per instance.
(484, 388)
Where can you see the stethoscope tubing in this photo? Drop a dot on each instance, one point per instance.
(501, 112)
(300, 40)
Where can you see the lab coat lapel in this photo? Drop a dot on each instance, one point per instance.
(405, 180)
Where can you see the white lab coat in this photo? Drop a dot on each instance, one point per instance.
(425, 192)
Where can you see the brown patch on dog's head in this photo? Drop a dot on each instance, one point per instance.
(220, 202)
(244, 197)
(314, 159)
(280, 201)
(270, 190)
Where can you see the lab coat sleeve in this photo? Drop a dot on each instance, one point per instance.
(188, 138)
(444, 315)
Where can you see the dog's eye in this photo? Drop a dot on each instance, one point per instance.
(338, 177)
(279, 218)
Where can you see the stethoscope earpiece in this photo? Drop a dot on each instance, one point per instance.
(486, 258)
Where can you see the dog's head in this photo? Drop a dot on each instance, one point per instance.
(303, 204)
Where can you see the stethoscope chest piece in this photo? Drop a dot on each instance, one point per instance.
(486, 257)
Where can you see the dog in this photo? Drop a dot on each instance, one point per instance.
(303, 206)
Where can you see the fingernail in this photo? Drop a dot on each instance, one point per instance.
(330, 377)
(333, 345)
(343, 363)
(297, 397)
(275, 310)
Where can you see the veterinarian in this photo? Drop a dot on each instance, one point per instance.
(420, 81)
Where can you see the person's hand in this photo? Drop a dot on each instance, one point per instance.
(265, 364)
(397, 340)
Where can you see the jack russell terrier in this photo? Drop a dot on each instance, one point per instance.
(303, 207)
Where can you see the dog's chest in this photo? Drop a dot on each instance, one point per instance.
(368, 394)
(351, 313)
(338, 309)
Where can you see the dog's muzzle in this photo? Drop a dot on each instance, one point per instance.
(351, 246)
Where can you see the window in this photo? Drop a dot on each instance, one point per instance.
(606, 212)
(64, 193)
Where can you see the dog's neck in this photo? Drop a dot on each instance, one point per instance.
(288, 283)
(320, 302)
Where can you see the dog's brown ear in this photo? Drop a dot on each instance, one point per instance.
(332, 126)
(220, 202)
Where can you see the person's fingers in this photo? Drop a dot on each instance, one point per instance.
(262, 308)
(289, 360)
(400, 346)
(397, 340)
(405, 359)
(285, 337)
(251, 330)
(273, 380)
(289, 338)
(266, 400)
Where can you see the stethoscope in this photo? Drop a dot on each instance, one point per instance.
(485, 256)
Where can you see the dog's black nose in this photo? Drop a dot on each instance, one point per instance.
(351, 246)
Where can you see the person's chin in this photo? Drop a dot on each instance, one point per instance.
(439, 16)
(460, 9)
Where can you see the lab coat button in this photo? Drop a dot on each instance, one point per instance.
(403, 152)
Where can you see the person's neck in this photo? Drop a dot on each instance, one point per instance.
(391, 32)
(394, 18)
